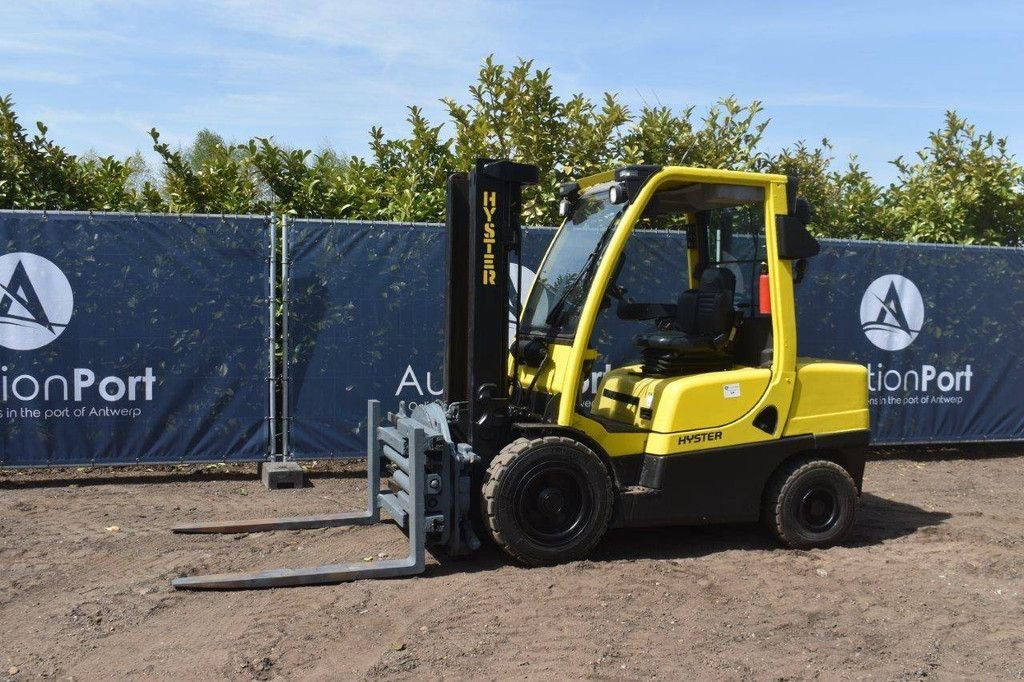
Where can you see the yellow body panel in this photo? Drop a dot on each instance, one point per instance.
(830, 397)
(670, 404)
(552, 373)
(692, 413)
(615, 443)
(596, 179)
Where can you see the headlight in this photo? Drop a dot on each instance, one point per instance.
(564, 208)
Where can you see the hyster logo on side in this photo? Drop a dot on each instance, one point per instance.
(36, 301)
(692, 438)
(892, 312)
(490, 204)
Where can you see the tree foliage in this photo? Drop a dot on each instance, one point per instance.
(964, 186)
(847, 204)
(35, 172)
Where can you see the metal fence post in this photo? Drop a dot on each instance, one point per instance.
(285, 360)
(272, 337)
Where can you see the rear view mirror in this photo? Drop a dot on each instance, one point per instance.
(794, 240)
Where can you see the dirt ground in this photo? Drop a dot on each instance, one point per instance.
(929, 585)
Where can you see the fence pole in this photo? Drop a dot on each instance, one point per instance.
(272, 337)
(286, 419)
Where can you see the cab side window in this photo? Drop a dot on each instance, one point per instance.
(735, 241)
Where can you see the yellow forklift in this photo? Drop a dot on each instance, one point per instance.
(715, 419)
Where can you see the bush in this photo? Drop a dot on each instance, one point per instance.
(963, 187)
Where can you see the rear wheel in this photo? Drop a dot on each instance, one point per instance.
(810, 503)
(547, 500)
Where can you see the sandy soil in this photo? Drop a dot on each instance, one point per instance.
(930, 585)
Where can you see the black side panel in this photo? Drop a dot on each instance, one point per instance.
(627, 469)
(723, 485)
(843, 441)
(456, 360)
(849, 449)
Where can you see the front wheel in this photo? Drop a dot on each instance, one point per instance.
(547, 500)
(810, 503)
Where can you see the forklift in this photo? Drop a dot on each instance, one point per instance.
(714, 419)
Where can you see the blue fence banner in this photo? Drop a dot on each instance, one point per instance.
(938, 327)
(144, 338)
(365, 320)
(130, 339)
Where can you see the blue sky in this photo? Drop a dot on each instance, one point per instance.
(874, 77)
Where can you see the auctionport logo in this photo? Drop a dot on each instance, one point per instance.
(892, 312)
(36, 301)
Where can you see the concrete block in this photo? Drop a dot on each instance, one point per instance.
(282, 475)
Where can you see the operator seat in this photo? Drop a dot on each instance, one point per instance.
(697, 338)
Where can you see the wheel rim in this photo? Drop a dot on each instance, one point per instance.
(552, 504)
(819, 509)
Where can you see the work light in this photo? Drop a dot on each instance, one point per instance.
(617, 193)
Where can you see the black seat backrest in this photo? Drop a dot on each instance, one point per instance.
(708, 310)
(715, 302)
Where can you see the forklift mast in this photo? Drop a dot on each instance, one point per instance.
(483, 226)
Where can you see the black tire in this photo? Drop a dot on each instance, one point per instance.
(810, 503)
(546, 501)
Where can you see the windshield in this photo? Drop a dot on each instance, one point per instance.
(563, 281)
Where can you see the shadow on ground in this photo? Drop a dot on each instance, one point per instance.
(44, 478)
(356, 468)
(878, 521)
(945, 452)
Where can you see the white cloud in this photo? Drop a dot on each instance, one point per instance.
(441, 31)
(45, 76)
